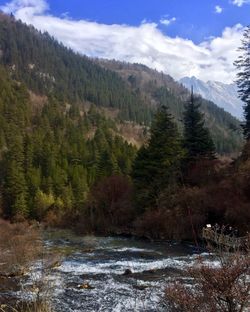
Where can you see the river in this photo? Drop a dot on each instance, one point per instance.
(90, 275)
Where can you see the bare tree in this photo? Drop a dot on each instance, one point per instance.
(221, 288)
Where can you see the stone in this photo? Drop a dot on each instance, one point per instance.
(127, 272)
(85, 286)
(140, 287)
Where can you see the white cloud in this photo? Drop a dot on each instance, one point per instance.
(65, 15)
(167, 21)
(240, 3)
(210, 60)
(218, 9)
(29, 7)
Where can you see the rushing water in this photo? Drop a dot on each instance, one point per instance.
(100, 262)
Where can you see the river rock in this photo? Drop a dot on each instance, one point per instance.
(127, 272)
(85, 286)
(140, 287)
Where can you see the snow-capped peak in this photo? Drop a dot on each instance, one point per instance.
(224, 95)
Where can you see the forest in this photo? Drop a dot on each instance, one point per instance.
(47, 67)
(109, 172)
(63, 161)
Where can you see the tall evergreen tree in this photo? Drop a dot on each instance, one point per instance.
(15, 182)
(243, 79)
(157, 165)
(197, 140)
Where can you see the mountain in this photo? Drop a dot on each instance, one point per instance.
(224, 95)
(128, 93)
(161, 89)
(47, 67)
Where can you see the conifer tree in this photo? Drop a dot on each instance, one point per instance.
(107, 165)
(157, 165)
(243, 79)
(15, 181)
(197, 140)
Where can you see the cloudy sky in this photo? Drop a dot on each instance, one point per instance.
(179, 37)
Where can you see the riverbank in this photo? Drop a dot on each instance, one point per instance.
(106, 273)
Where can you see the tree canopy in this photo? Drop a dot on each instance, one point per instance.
(157, 164)
(197, 139)
(54, 156)
(243, 79)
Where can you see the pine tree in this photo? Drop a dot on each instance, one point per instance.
(157, 165)
(197, 140)
(141, 175)
(243, 79)
(15, 181)
(107, 165)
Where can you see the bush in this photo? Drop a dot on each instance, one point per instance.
(20, 246)
(108, 206)
(20, 243)
(221, 289)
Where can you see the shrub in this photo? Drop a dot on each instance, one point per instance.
(20, 243)
(215, 289)
(108, 206)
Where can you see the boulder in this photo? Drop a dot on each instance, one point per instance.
(127, 272)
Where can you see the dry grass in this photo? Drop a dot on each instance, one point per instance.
(34, 307)
(20, 244)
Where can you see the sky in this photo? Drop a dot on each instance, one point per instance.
(179, 37)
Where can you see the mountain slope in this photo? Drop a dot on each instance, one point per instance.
(46, 66)
(161, 89)
(133, 91)
(224, 95)
(49, 160)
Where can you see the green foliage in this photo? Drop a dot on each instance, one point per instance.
(50, 160)
(158, 89)
(46, 66)
(157, 165)
(243, 79)
(14, 114)
(197, 140)
(53, 154)
(224, 128)
(42, 202)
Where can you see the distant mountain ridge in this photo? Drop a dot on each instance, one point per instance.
(224, 95)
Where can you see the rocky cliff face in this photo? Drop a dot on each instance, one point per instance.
(224, 95)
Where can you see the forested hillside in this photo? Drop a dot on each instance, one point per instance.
(46, 66)
(162, 89)
(52, 158)
(63, 153)
(134, 91)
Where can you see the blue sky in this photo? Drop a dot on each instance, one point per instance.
(195, 19)
(179, 37)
